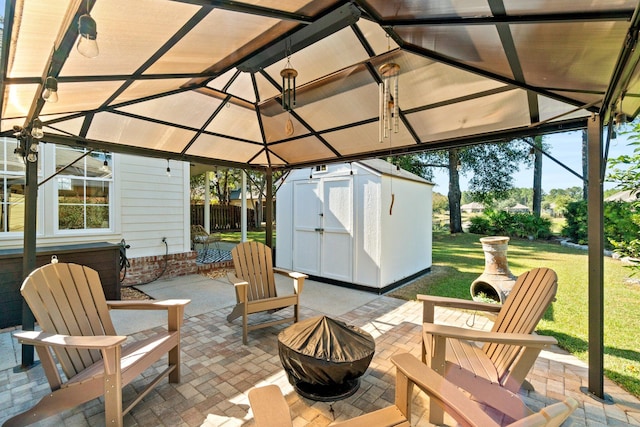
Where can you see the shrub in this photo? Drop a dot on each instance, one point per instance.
(514, 225)
(621, 226)
(576, 217)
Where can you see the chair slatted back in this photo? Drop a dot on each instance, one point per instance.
(530, 297)
(254, 264)
(68, 299)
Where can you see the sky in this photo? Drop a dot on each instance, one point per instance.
(565, 147)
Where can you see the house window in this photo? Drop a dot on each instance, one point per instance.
(12, 183)
(84, 189)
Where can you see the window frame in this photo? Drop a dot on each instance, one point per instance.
(57, 231)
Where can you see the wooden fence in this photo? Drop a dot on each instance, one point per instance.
(222, 217)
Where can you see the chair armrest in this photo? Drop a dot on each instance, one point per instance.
(527, 340)
(97, 342)
(298, 278)
(147, 304)
(459, 303)
(269, 407)
(445, 394)
(292, 274)
(240, 287)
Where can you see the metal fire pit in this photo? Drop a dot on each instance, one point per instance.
(324, 358)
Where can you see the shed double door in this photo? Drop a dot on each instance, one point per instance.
(323, 227)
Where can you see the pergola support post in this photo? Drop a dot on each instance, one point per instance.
(268, 238)
(29, 242)
(207, 202)
(243, 204)
(595, 256)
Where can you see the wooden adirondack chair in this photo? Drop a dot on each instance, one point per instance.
(69, 305)
(270, 408)
(255, 286)
(495, 372)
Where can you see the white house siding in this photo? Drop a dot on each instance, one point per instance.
(153, 205)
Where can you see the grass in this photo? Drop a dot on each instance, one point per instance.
(254, 235)
(458, 260)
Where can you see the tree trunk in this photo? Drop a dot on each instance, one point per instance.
(455, 216)
(585, 164)
(537, 177)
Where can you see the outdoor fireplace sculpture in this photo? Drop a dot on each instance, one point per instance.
(496, 281)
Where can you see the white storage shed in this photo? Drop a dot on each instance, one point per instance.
(364, 224)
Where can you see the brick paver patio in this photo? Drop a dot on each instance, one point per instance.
(218, 371)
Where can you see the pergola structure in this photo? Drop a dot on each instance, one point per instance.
(201, 81)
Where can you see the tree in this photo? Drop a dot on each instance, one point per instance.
(490, 165)
(224, 181)
(440, 203)
(455, 214)
(626, 172)
(537, 175)
(559, 198)
(258, 181)
(585, 165)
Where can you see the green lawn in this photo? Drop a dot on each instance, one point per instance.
(255, 235)
(458, 260)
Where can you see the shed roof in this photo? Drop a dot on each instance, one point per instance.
(385, 168)
(200, 80)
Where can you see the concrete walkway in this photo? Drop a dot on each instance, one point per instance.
(218, 370)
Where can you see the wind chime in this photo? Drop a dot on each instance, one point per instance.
(389, 119)
(389, 116)
(288, 75)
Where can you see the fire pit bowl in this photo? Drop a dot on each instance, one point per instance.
(324, 358)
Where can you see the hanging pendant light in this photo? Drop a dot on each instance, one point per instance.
(388, 93)
(50, 92)
(36, 129)
(87, 44)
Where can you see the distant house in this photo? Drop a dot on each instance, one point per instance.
(472, 207)
(518, 208)
(235, 198)
(624, 196)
